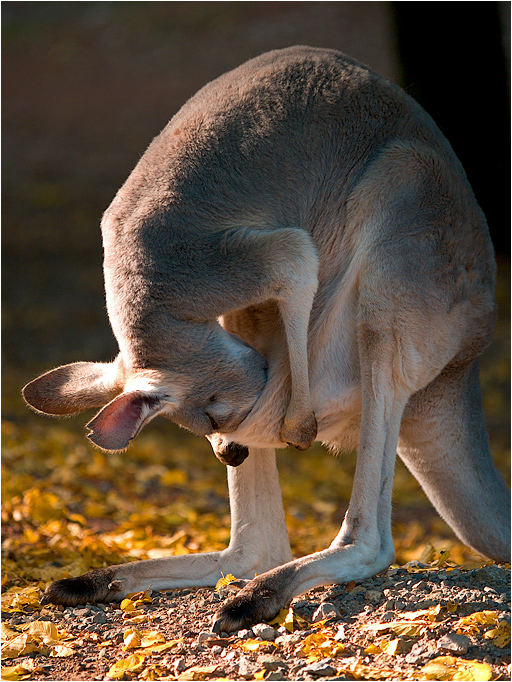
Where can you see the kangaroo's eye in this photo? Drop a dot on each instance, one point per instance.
(212, 399)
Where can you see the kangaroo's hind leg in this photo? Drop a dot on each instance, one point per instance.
(444, 443)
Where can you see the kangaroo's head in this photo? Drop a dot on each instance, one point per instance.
(209, 387)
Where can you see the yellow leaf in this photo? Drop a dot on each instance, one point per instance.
(8, 633)
(225, 580)
(133, 663)
(15, 672)
(140, 598)
(131, 639)
(16, 598)
(366, 672)
(500, 636)
(284, 618)
(251, 644)
(151, 637)
(42, 629)
(127, 605)
(19, 646)
(319, 645)
(452, 668)
(135, 618)
(477, 620)
(260, 675)
(198, 672)
(390, 647)
(373, 649)
(153, 672)
(406, 628)
(158, 648)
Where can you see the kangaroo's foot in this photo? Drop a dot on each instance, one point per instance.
(95, 586)
(258, 601)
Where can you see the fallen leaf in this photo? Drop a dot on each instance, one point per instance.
(285, 618)
(390, 647)
(474, 622)
(15, 672)
(500, 636)
(366, 672)
(42, 629)
(127, 605)
(151, 637)
(153, 672)
(320, 645)
(452, 668)
(158, 648)
(260, 675)
(198, 672)
(252, 644)
(21, 646)
(405, 628)
(133, 663)
(132, 639)
(136, 617)
(8, 632)
(225, 580)
(16, 598)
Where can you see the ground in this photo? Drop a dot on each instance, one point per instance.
(418, 622)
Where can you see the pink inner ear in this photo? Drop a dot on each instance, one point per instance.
(119, 422)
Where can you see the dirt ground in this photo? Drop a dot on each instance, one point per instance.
(398, 625)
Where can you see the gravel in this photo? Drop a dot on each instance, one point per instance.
(351, 609)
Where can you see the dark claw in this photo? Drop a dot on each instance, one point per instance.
(232, 454)
(94, 586)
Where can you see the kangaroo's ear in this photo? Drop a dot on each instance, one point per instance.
(121, 420)
(72, 388)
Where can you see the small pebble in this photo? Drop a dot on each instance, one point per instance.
(320, 669)
(325, 610)
(245, 634)
(270, 662)
(216, 650)
(264, 631)
(340, 634)
(179, 665)
(247, 668)
(203, 636)
(81, 613)
(373, 596)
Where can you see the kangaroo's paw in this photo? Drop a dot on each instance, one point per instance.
(256, 602)
(231, 454)
(299, 432)
(95, 586)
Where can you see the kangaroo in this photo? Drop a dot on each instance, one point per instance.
(297, 256)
